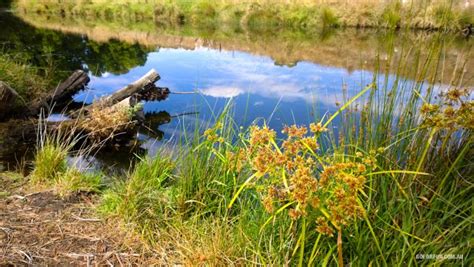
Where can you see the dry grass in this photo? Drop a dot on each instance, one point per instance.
(105, 123)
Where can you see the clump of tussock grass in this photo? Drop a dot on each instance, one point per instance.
(50, 163)
(168, 14)
(391, 17)
(443, 16)
(51, 169)
(141, 202)
(73, 180)
(51, 166)
(329, 18)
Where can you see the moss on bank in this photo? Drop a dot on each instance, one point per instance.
(442, 15)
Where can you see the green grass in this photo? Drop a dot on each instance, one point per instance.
(50, 163)
(74, 180)
(24, 78)
(142, 200)
(203, 205)
(52, 169)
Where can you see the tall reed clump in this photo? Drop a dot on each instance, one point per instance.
(390, 183)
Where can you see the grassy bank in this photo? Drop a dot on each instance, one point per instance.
(306, 15)
(27, 80)
(382, 180)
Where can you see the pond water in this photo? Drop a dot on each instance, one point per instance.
(280, 77)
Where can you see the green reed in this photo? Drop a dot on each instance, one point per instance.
(416, 200)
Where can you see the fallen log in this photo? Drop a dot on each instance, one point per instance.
(147, 80)
(113, 119)
(64, 91)
(8, 98)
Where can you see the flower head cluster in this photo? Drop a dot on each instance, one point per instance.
(213, 134)
(261, 137)
(455, 111)
(340, 184)
(317, 128)
(292, 172)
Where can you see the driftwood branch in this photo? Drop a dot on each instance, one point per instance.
(123, 94)
(76, 82)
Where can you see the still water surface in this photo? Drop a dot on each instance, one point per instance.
(282, 78)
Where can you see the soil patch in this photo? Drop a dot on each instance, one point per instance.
(40, 228)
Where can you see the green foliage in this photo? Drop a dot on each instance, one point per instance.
(142, 201)
(50, 163)
(410, 193)
(204, 9)
(416, 197)
(466, 17)
(51, 168)
(263, 14)
(258, 16)
(24, 78)
(40, 67)
(169, 13)
(444, 16)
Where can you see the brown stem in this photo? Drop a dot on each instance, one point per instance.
(339, 247)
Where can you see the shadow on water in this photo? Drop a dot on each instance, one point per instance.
(63, 53)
